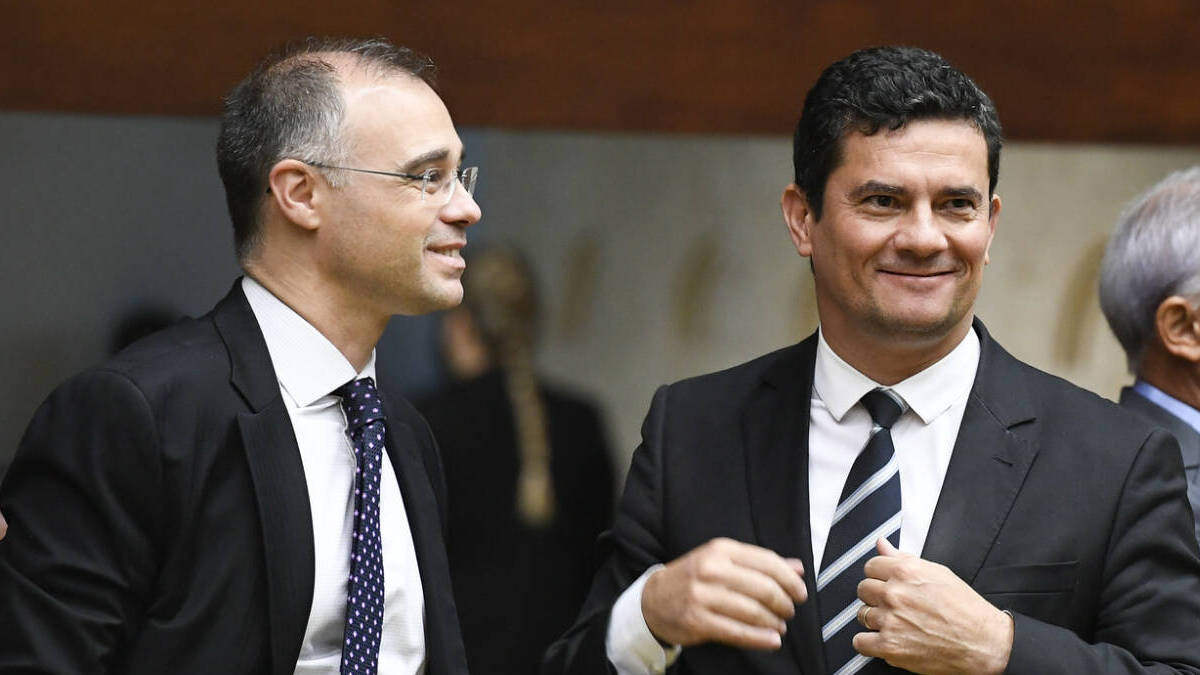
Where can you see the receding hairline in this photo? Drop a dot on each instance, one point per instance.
(348, 68)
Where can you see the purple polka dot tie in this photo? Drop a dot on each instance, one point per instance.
(364, 605)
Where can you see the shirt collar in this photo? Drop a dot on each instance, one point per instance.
(307, 364)
(928, 393)
(1178, 408)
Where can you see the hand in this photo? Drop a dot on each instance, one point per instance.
(724, 591)
(3, 526)
(927, 619)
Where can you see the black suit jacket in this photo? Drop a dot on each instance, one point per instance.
(1056, 505)
(1188, 437)
(518, 587)
(160, 515)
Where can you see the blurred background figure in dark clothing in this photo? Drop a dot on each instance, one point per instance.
(139, 322)
(528, 470)
(130, 327)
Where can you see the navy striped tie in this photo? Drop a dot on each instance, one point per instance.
(869, 508)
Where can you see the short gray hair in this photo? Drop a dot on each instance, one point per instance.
(1154, 254)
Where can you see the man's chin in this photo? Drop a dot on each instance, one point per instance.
(923, 327)
(446, 295)
(449, 296)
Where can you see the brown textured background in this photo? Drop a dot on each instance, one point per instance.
(1107, 71)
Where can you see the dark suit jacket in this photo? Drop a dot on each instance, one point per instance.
(160, 516)
(1056, 505)
(518, 587)
(1188, 437)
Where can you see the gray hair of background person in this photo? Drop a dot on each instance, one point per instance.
(290, 107)
(884, 87)
(1153, 254)
(500, 293)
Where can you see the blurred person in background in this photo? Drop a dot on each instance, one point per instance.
(142, 320)
(1150, 294)
(528, 473)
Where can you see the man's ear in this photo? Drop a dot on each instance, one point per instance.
(293, 186)
(993, 221)
(799, 218)
(1178, 325)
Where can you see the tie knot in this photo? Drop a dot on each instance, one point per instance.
(885, 406)
(360, 400)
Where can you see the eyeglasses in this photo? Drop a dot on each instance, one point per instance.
(437, 185)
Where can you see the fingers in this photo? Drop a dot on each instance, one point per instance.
(871, 591)
(3, 526)
(778, 573)
(869, 644)
(885, 548)
(747, 609)
(724, 591)
(755, 573)
(864, 616)
(786, 573)
(884, 565)
(799, 594)
(732, 632)
(923, 618)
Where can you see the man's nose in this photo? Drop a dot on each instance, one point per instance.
(462, 209)
(920, 233)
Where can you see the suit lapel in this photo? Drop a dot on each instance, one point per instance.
(443, 656)
(775, 433)
(987, 467)
(278, 476)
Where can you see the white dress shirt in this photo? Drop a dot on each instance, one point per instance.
(839, 427)
(309, 368)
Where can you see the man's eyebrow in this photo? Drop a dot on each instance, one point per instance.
(427, 158)
(967, 191)
(874, 187)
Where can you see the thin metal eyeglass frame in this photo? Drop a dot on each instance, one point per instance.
(467, 175)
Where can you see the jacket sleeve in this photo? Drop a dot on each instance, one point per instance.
(1148, 611)
(82, 499)
(632, 546)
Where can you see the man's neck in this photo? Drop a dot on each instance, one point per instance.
(341, 320)
(889, 359)
(1173, 376)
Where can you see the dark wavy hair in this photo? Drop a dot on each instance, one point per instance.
(291, 106)
(884, 88)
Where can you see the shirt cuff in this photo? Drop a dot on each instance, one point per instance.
(630, 645)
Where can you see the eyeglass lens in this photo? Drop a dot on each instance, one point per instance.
(443, 191)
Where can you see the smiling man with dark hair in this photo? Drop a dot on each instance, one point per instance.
(896, 492)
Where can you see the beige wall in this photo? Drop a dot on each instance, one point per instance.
(667, 257)
(663, 257)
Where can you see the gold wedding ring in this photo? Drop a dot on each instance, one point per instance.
(864, 616)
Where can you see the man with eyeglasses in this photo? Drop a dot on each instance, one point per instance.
(235, 494)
